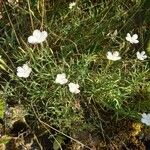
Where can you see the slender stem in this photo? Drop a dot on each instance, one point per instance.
(11, 24)
(30, 14)
(47, 125)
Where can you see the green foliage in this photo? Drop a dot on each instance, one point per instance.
(2, 64)
(59, 140)
(2, 108)
(5, 139)
(148, 47)
(77, 45)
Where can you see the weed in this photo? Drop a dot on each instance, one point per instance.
(77, 44)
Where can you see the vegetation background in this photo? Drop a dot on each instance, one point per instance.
(107, 112)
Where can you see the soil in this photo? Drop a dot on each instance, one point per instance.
(129, 136)
(120, 135)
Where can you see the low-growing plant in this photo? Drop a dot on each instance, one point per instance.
(71, 65)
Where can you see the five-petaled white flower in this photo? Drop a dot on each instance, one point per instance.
(37, 37)
(146, 119)
(74, 88)
(23, 71)
(132, 39)
(71, 5)
(61, 79)
(141, 56)
(113, 55)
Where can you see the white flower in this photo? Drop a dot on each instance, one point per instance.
(141, 56)
(61, 79)
(132, 39)
(146, 119)
(113, 55)
(71, 5)
(74, 88)
(37, 37)
(24, 71)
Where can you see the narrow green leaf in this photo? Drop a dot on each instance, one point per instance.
(2, 108)
(59, 140)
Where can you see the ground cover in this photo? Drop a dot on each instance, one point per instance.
(75, 75)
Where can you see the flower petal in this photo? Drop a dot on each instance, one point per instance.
(36, 33)
(128, 37)
(135, 36)
(116, 53)
(44, 34)
(135, 41)
(32, 40)
(143, 53)
(23, 71)
(144, 115)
